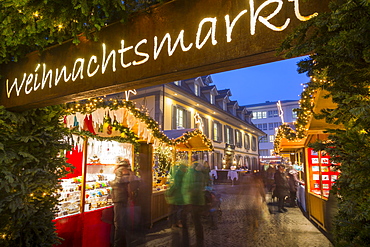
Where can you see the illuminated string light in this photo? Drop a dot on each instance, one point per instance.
(304, 114)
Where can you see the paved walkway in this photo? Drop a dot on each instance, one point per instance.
(247, 220)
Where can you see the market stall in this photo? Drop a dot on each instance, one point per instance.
(319, 172)
(103, 130)
(184, 142)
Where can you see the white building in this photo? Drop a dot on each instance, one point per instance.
(268, 116)
(195, 103)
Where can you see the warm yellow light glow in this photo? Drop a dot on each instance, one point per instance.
(168, 101)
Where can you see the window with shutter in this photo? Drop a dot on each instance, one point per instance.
(187, 119)
(220, 132)
(254, 143)
(174, 122)
(205, 126)
(247, 142)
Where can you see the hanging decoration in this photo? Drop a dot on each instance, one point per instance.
(304, 114)
(112, 119)
(162, 160)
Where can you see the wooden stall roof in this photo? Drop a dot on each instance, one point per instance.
(316, 127)
(189, 139)
(288, 146)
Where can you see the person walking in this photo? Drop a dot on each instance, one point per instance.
(174, 196)
(281, 187)
(123, 187)
(293, 186)
(195, 181)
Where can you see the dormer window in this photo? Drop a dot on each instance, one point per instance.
(212, 99)
(196, 89)
(224, 105)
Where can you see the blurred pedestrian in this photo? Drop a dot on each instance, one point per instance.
(293, 185)
(281, 187)
(270, 180)
(195, 181)
(174, 196)
(122, 192)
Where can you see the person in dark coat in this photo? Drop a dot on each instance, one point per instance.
(293, 186)
(121, 193)
(282, 187)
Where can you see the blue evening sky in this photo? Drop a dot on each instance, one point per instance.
(267, 82)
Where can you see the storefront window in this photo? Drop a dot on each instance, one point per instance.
(70, 192)
(322, 174)
(162, 164)
(102, 156)
(101, 161)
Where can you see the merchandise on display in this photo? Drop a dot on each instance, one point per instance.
(323, 175)
(102, 156)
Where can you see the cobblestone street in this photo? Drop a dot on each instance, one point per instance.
(247, 220)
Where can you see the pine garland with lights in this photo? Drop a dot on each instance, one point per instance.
(130, 138)
(304, 114)
(339, 42)
(92, 104)
(190, 134)
(29, 26)
(30, 166)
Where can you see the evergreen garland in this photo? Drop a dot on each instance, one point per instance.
(92, 104)
(31, 143)
(28, 26)
(339, 44)
(31, 162)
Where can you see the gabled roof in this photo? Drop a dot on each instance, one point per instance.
(189, 139)
(222, 96)
(225, 91)
(242, 108)
(200, 81)
(207, 79)
(207, 89)
(233, 103)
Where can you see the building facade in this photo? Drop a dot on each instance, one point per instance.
(267, 117)
(195, 103)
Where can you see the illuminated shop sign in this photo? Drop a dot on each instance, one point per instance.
(111, 60)
(176, 40)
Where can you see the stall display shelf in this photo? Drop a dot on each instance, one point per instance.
(97, 195)
(70, 197)
(97, 191)
(322, 173)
